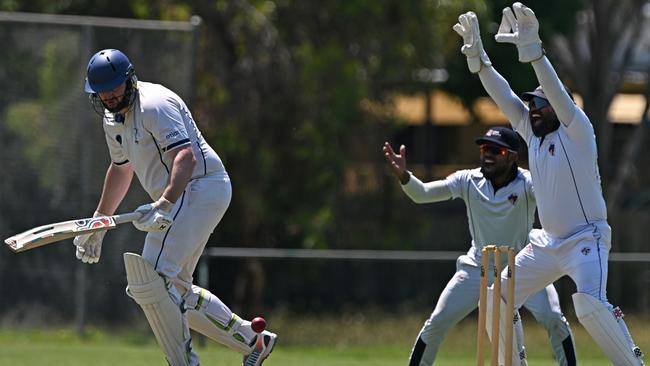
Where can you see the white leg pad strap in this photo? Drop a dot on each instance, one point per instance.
(518, 348)
(165, 317)
(605, 330)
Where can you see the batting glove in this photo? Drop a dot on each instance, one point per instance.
(467, 27)
(156, 216)
(89, 246)
(522, 30)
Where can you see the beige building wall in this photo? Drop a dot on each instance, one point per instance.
(447, 109)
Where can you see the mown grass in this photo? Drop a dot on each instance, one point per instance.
(348, 340)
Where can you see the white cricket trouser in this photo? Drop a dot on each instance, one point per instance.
(460, 297)
(583, 257)
(175, 253)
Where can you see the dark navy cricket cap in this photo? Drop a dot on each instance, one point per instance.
(500, 136)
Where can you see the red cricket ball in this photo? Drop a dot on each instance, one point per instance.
(258, 324)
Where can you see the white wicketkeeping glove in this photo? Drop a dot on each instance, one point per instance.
(467, 27)
(156, 216)
(89, 246)
(522, 30)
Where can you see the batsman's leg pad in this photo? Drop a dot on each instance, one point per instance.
(164, 309)
(606, 330)
(208, 315)
(518, 348)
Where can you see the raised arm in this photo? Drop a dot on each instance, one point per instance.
(479, 63)
(520, 27)
(417, 191)
(562, 104)
(509, 103)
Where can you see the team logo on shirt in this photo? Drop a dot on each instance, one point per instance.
(512, 198)
(551, 149)
(618, 313)
(585, 251)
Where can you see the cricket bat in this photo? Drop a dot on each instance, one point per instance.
(52, 233)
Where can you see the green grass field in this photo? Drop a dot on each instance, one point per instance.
(353, 340)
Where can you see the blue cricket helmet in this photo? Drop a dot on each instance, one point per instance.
(107, 69)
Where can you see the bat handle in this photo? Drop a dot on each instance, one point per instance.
(124, 218)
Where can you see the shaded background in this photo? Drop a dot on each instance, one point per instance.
(297, 98)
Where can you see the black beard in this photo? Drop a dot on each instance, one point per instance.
(501, 171)
(546, 127)
(489, 175)
(119, 106)
(127, 98)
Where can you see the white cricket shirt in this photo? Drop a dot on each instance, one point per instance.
(564, 169)
(158, 123)
(501, 218)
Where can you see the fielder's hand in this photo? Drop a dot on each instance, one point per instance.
(89, 246)
(467, 27)
(522, 30)
(397, 163)
(156, 216)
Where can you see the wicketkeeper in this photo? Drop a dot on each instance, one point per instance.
(150, 132)
(575, 238)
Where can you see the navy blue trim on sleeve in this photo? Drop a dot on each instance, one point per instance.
(121, 163)
(177, 143)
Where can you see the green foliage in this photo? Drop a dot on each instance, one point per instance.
(9, 5)
(33, 122)
(57, 67)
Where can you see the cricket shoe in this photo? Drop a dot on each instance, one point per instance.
(262, 348)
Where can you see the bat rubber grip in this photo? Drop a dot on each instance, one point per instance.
(129, 217)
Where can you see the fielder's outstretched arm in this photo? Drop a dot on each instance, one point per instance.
(420, 192)
(413, 187)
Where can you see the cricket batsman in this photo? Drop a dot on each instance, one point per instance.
(150, 132)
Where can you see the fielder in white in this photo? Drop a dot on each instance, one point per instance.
(575, 238)
(500, 203)
(150, 132)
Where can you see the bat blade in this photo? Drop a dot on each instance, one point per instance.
(51, 233)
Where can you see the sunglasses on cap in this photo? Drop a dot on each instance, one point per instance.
(494, 149)
(537, 103)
